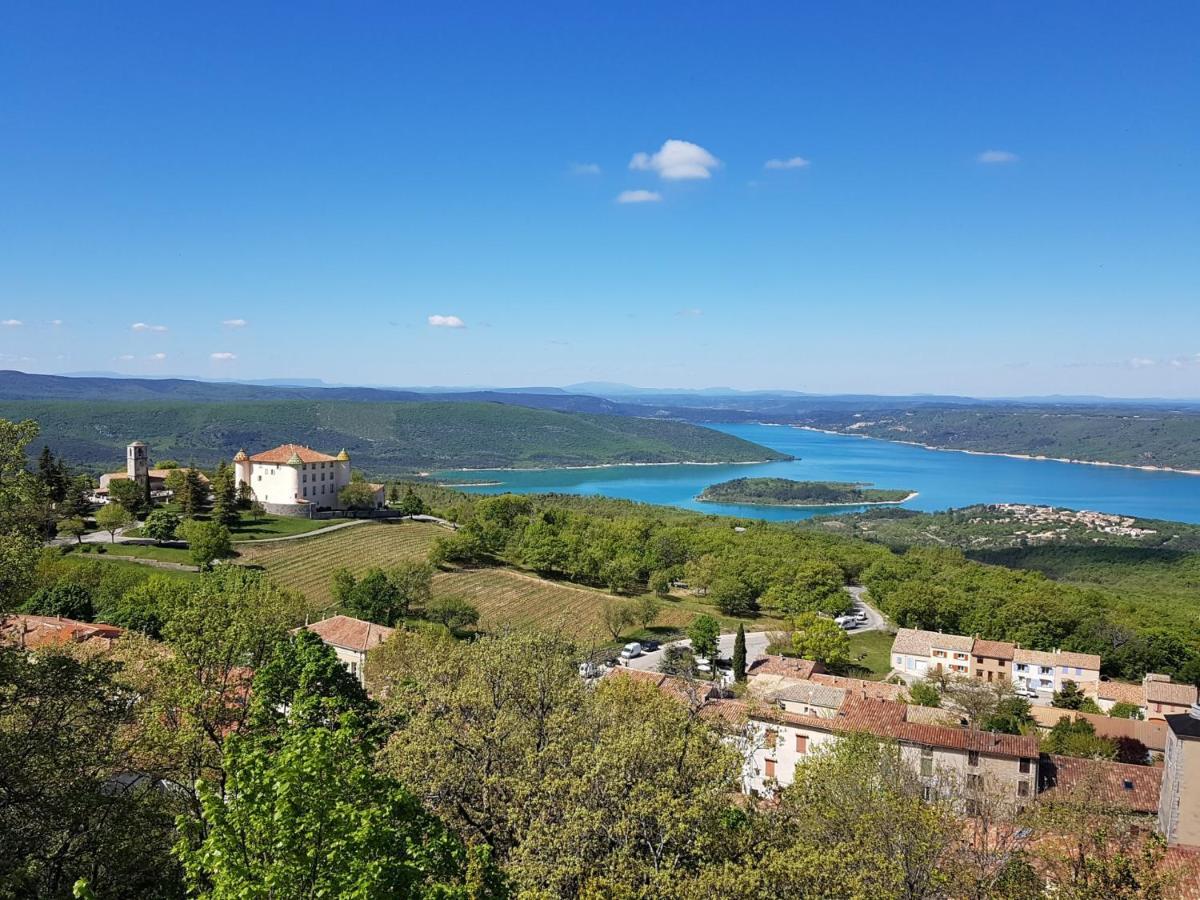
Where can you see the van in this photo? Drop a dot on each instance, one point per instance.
(846, 622)
(631, 651)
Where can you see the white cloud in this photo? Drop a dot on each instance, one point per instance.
(996, 156)
(56, 322)
(792, 162)
(677, 160)
(125, 357)
(142, 326)
(690, 313)
(447, 322)
(222, 357)
(234, 323)
(158, 357)
(12, 323)
(638, 197)
(585, 168)
(1141, 362)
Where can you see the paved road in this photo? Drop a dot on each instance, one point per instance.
(756, 641)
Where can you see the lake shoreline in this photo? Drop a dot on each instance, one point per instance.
(912, 494)
(636, 465)
(1025, 456)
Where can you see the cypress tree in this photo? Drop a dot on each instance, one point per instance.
(739, 654)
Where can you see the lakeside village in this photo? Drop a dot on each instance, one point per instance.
(783, 709)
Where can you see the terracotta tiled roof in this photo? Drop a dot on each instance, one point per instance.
(784, 665)
(915, 642)
(1182, 864)
(32, 632)
(281, 454)
(1170, 692)
(993, 649)
(884, 718)
(1120, 692)
(1078, 660)
(880, 690)
(1117, 785)
(810, 692)
(350, 633)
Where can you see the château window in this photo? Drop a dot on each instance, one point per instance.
(972, 757)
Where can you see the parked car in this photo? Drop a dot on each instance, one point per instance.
(861, 615)
(589, 670)
(846, 622)
(631, 650)
(649, 646)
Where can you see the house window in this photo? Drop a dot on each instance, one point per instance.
(927, 761)
(1025, 766)
(801, 743)
(1022, 788)
(974, 782)
(972, 757)
(770, 768)
(772, 737)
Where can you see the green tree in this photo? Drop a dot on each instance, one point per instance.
(660, 583)
(704, 632)
(65, 739)
(1012, 715)
(733, 596)
(258, 512)
(413, 583)
(646, 610)
(73, 527)
(53, 476)
(456, 613)
(304, 683)
(224, 493)
(1077, 737)
(820, 639)
(77, 503)
(23, 508)
(1123, 709)
(411, 504)
(617, 615)
(357, 495)
(67, 599)
(161, 525)
(112, 517)
(127, 493)
(245, 496)
(307, 815)
(922, 693)
(1069, 697)
(739, 654)
(207, 542)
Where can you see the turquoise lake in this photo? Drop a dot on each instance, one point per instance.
(942, 479)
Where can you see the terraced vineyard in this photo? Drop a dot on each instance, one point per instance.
(504, 597)
(306, 564)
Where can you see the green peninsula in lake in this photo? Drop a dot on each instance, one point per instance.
(786, 492)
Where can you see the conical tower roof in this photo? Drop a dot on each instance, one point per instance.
(294, 460)
(343, 456)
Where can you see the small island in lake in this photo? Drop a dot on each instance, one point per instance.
(786, 492)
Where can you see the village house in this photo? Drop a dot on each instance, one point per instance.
(1157, 696)
(917, 654)
(351, 639)
(294, 480)
(1179, 804)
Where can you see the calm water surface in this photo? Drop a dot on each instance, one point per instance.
(943, 479)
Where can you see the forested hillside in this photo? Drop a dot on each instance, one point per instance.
(383, 438)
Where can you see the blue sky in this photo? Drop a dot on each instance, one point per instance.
(991, 199)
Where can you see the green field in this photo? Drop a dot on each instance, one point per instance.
(307, 564)
(872, 651)
(248, 529)
(142, 551)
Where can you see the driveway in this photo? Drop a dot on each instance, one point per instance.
(756, 641)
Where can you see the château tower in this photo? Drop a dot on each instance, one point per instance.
(137, 467)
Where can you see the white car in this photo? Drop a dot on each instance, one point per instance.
(860, 616)
(631, 650)
(846, 622)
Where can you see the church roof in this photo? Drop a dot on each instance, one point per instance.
(282, 455)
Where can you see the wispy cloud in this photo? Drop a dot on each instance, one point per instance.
(142, 326)
(1142, 362)
(585, 168)
(125, 357)
(792, 162)
(676, 161)
(222, 356)
(56, 322)
(993, 157)
(158, 357)
(234, 323)
(446, 322)
(690, 313)
(12, 323)
(638, 197)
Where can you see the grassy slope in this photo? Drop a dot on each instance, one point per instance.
(383, 438)
(503, 596)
